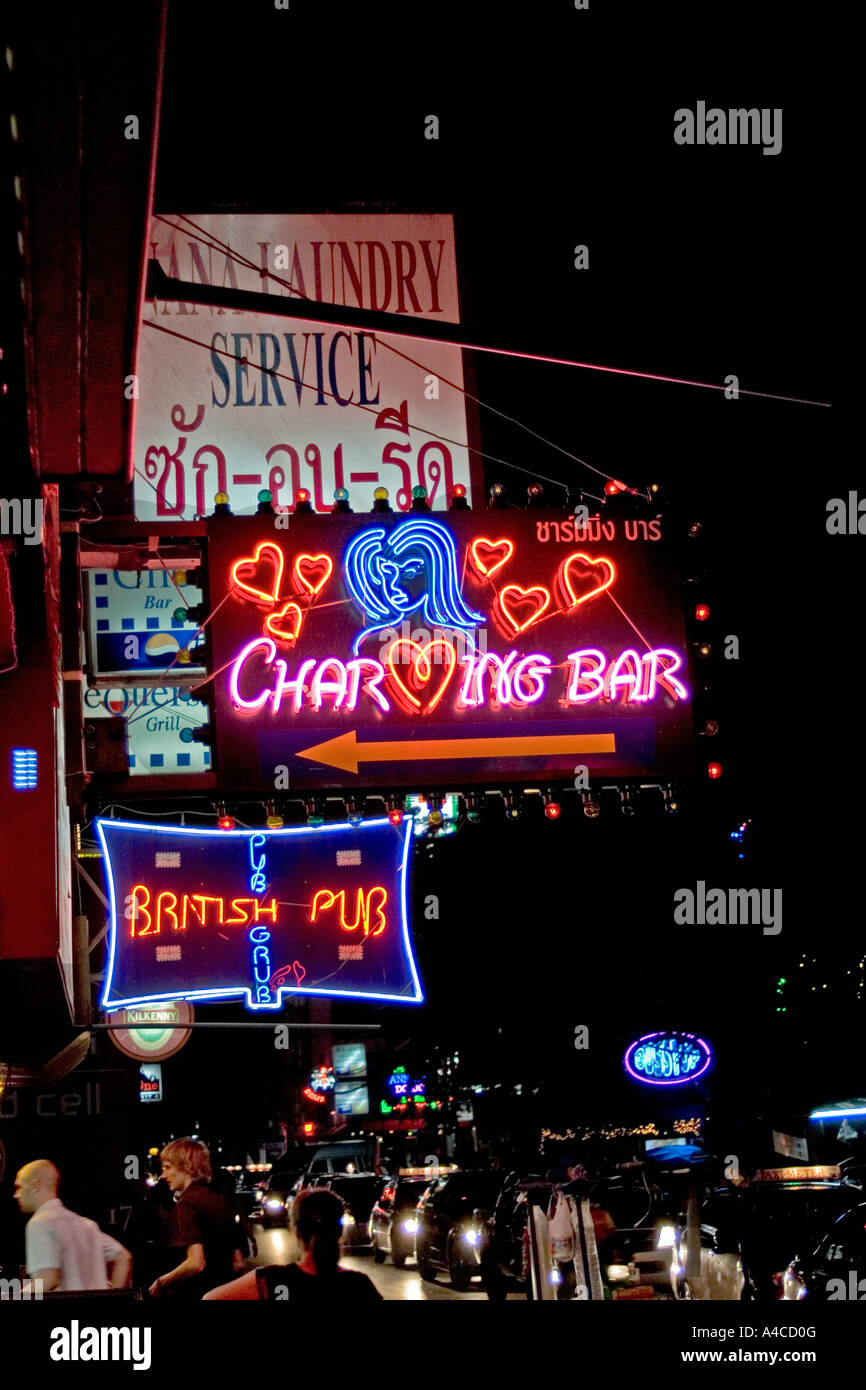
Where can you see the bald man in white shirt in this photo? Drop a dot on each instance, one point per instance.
(68, 1252)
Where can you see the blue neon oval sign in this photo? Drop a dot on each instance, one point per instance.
(667, 1059)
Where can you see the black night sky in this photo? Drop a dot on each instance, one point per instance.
(698, 268)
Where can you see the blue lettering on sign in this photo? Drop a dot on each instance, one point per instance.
(260, 960)
(667, 1059)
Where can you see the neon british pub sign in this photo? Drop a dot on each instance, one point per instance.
(388, 648)
(668, 1059)
(258, 915)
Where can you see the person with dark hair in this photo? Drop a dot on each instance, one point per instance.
(317, 1220)
(203, 1225)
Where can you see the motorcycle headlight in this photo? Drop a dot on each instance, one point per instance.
(410, 1225)
(472, 1236)
(274, 1204)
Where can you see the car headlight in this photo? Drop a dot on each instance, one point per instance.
(667, 1237)
(274, 1204)
(410, 1225)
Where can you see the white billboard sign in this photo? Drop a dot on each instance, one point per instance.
(236, 402)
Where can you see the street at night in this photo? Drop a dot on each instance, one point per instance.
(427, 656)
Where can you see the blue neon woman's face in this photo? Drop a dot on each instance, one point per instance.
(404, 583)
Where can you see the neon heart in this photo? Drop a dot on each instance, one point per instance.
(245, 569)
(587, 565)
(307, 567)
(281, 630)
(484, 551)
(537, 596)
(422, 669)
(299, 970)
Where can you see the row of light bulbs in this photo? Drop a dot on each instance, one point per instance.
(457, 502)
(311, 811)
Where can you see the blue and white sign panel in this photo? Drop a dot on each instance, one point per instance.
(132, 627)
(159, 722)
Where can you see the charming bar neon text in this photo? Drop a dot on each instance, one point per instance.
(487, 678)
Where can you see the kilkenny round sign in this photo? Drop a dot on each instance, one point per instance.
(667, 1059)
(151, 1044)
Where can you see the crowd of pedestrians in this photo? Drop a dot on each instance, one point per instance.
(203, 1245)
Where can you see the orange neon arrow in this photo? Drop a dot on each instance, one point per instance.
(345, 752)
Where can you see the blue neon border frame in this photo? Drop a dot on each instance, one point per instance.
(679, 1081)
(245, 994)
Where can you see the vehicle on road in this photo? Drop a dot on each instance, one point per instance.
(836, 1269)
(275, 1201)
(750, 1234)
(453, 1216)
(359, 1192)
(394, 1219)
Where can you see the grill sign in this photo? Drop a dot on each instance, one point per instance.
(257, 915)
(667, 1059)
(368, 650)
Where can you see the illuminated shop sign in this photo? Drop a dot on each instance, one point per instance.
(352, 1099)
(357, 650)
(150, 1082)
(237, 402)
(322, 1080)
(258, 915)
(401, 1084)
(350, 1061)
(667, 1059)
(160, 722)
(132, 627)
(407, 1093)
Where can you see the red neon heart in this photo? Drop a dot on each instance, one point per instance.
(421, 670)
(484, 553)
(246, 569)
(512, 597)
(285, 631)
(586, 574)
(312, 571)
(279, 977)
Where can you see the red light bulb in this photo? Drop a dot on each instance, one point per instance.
(302, 495)
(714, 770)
(553, 810)
(459, 490)
(226, 822)
(395, 817)
(702, 612)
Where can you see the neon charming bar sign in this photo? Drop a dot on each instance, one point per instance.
(258, 915)
(667, 1059)
(372, 644)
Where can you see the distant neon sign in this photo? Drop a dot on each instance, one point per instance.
(322, 1079)
(258, 915)
(668, 1059)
